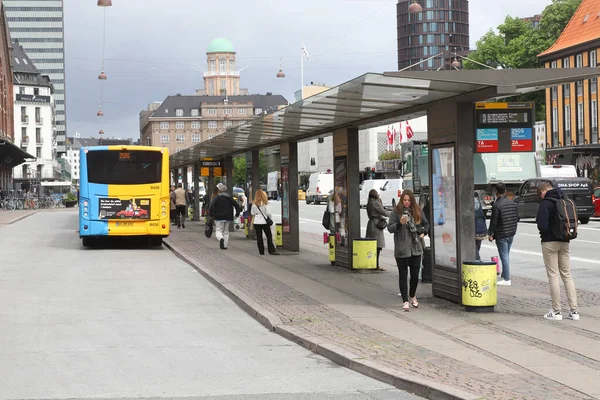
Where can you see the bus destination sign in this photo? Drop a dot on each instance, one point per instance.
(504, 127)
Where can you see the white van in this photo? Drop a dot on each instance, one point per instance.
(558, 171)
(366, 186)
(392, 190)
(319, 186)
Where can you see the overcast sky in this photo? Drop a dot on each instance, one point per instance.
(153, 48)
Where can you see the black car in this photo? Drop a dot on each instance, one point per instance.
(577, 189)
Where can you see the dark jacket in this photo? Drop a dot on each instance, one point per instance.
(546, 216)
(505, 218)
(480, 223)
(221, 207)
(376, 212)
(405, 243)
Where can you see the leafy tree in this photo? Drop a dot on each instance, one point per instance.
(516, 44)
(239, 170)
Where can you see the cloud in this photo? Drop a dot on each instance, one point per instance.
(151, 46)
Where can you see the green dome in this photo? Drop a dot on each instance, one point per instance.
(220, 45)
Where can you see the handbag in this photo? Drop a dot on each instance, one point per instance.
(326, 218)
(268, 219)
(208, 229)
(381, 224)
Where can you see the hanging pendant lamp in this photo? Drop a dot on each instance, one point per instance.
(104, 3)
(415, 7)
(102, 76)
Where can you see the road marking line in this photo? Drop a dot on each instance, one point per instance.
(533, 253)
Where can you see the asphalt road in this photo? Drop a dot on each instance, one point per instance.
(526, 254)
(126, 322)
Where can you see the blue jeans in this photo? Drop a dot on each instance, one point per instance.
(504, 245)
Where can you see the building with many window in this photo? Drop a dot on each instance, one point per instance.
(441, 27)
(221, 77)
(34, 119)
(184, 121)
(39, 28)
(572, 109)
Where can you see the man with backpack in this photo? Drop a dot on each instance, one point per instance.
(557, 223)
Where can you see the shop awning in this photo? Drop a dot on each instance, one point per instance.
(13, 155)
(376, 99)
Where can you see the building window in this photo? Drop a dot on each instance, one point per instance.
(164, 138)
(579, 88)
(211, 89)
(212, 65)
(567, 90)
(258, 111)
(179, 125)
(212, 111)
(593, 85)
(240, 123)
(553, 64)
(164, 125)
(554, 126)
(235, 89)
(567, 125)
(579, 61)
(21, 90)
(211, 135)
(179, 112)
(38, 135)
(180, 138)
(566, 63)
(242, 111)
(179, 149)
(227, 111)
(554, 92)
(594, 111)
(227, 124)
(222, 66)
(195, 112)
(580, 134)
(212, 124)
(196, 138)
(223, 84)
(593, 59)
(195, 124)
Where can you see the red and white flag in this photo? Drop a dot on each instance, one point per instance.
(390, 137)
(409, 131)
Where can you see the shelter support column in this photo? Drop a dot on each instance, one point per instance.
(253, 173)
(184, 178)
(289, 201)
(196, 178)
(451, 133)
(346, 194)
(228, 173)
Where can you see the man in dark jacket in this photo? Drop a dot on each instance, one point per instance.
(555, 251)
(221, 211)
(503, 227)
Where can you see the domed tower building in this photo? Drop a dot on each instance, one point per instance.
(221, 77)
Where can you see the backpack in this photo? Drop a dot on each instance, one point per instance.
(565, 219)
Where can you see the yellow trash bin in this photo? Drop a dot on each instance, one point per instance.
(332, 248)
(364, 254)
(479, 286)
(301, 195)
(278, 235)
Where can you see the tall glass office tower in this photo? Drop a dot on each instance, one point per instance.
(38, 25)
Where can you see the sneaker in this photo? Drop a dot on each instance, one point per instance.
(554, 316)
(502, 282)
(414, 302)
(574, 315)
(274, 253)
(222, 243)
(406, 306)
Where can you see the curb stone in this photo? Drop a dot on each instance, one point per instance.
(421, 387)
(19, 218)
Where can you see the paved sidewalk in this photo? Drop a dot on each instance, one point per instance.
(10, 217)
(438, 351)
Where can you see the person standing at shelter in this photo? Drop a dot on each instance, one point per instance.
(503, 227)
(221, 211)
(480, 226)
(260, 213)
(409, 225)
(180, 205)
(376, 214)
(556, 252)
(172, 204)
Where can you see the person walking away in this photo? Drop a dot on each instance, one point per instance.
(221, 211)
(260, 213)
(180, 205)
(555, 251)
(409, 225)
(480, 226)
(172, 205)
(503, 227)
(376, 213)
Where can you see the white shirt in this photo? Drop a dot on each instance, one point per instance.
(258, 217)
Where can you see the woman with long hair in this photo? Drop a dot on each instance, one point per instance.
(376, 213)
(409, 225)
(260, 213)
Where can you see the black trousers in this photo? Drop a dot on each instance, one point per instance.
(259, 238)
(378, 253)
(404, 264)
(179, 215)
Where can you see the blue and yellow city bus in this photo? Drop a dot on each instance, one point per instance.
(124, 191)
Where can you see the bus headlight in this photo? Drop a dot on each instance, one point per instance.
(164, 214)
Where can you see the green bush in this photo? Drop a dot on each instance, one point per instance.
(70, 197)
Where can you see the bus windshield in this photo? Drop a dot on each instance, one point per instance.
(123, 167)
